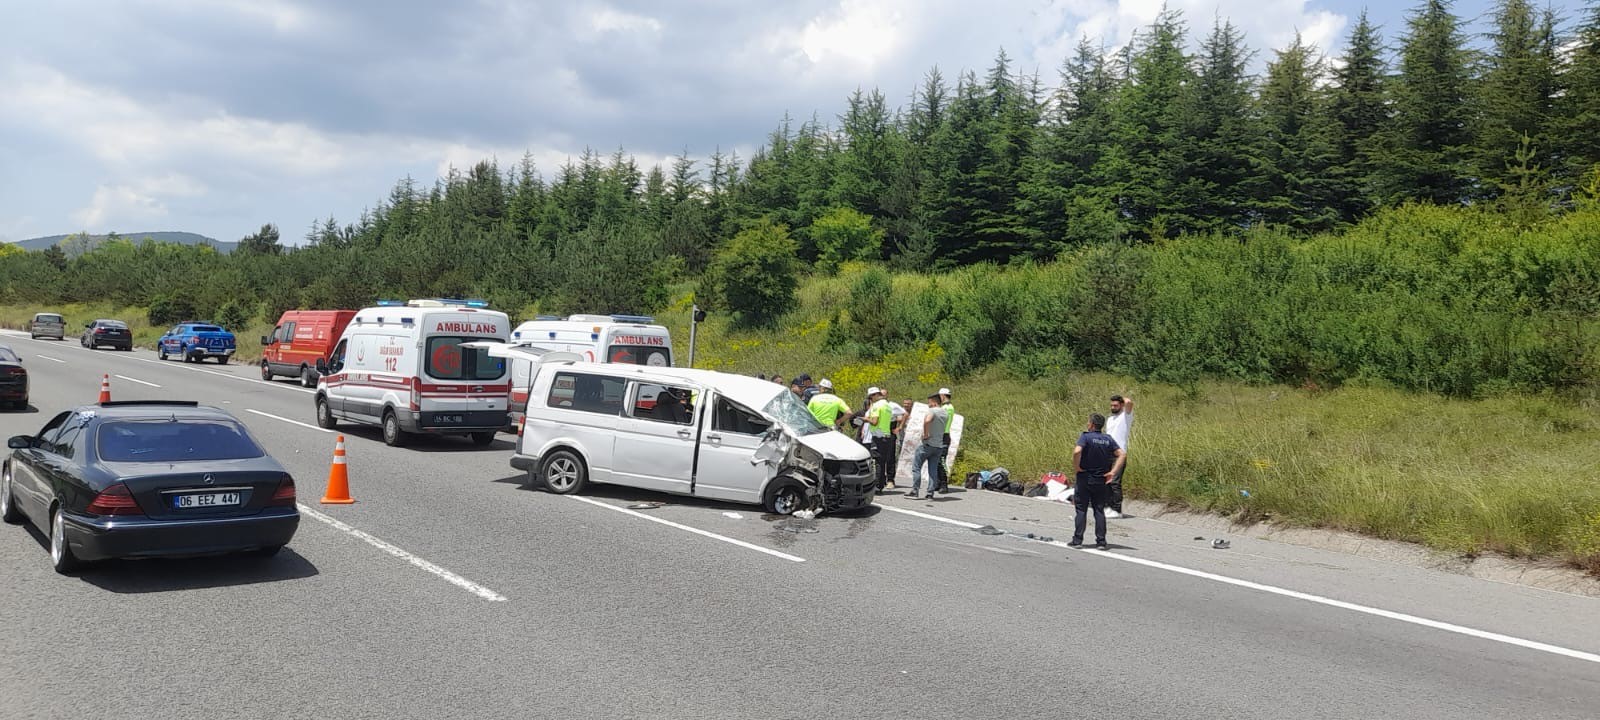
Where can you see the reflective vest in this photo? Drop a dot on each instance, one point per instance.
(881, 418)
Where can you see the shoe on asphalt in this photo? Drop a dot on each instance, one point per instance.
(890, 486)
(929, 497)
(1076, 542)
(1112, 514)
(1102, 545)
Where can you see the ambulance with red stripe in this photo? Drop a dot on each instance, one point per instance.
(626, 339)
(403, 367)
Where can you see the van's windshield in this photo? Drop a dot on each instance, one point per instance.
(793, 414)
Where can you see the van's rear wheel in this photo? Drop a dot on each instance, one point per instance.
(564, 473)
(393, 436)
(483, 438)
(307, 380)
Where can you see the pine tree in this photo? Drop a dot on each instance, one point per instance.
(864, 162)
(1360, 112)
(999, 231)
(1518, 95)
(1299, 143)
(1219, 141)
(1578, 129)
(1061, 182)
(1426, 147)
(1144, 159)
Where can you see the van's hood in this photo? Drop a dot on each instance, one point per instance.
(835, 446)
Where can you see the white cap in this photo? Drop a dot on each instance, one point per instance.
(944, 391)
(826, 383)
(874, 391)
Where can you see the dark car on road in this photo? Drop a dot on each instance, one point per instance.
(195, 342)
(13, 379)
(141, 479)
(107, 333)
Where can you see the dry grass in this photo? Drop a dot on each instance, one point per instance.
(17, 317)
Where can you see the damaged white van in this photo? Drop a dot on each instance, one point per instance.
(689, 432)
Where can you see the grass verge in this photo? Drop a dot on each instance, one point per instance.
(16, 317)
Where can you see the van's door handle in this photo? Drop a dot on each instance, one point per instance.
(685, 433)
(714, 438)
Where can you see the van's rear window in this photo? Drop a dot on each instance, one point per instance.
(48, 318)
(175, 441)
(447, 360)
(207, 328)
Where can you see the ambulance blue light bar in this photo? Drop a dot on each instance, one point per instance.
(640, 319)
(391, 303)
(459, 301)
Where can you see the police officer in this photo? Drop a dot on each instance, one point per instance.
(879, 427)
(828, 408)
(1097, 460)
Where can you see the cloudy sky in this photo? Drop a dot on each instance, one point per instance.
(215, 116)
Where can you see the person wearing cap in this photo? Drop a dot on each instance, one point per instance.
(931, 451)
(879, 427)
(949, 420)
(799, 385)
(828, 408)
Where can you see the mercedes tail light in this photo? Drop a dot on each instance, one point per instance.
(284, 495)
(114, 500)
(99, 331)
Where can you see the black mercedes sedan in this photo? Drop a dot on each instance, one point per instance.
(139, 479)
(101, 333)
(13, 379)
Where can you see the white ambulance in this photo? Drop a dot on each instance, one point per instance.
(402, 366)
(626, 339)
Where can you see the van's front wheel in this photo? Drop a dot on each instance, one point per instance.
(266, 371)
(786, 499)
(564, 473)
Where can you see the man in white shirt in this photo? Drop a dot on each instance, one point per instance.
(1119, 426)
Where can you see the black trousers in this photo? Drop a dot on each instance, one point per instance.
(883, 455)
(1116, 489)
(1087, 496)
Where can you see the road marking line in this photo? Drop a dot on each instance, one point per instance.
(253, 380)
(686, 528)
(137, 380)
(51, 359)
(448, 576)
(287, 420)
(1296, 594)
(926, 516)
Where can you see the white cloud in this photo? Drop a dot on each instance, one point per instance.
(607, 19)
(143, 200)
(858, 33)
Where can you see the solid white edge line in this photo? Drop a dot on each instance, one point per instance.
(686, 528)
(1296, 594)
(136, 380)
(448, 576)
(287, 420)
(51, 359)
(936, 518)
(182, 366)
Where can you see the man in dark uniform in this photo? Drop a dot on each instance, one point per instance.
(1097, 459)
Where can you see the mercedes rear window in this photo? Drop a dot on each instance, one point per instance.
(7, 356)
(112, 324)
(175, 441)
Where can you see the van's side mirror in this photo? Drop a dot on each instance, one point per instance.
(20, 442)
(266, 340)
(322, 366)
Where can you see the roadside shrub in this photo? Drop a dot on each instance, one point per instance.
(167, 309)
(754, 274)
(843, 234)
(232, 315)
(871, 300)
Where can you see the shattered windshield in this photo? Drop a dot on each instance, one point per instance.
(793, 414)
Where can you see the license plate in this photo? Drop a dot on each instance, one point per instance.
(457, 419)
(205, 500)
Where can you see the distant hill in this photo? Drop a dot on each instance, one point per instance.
(90, 241)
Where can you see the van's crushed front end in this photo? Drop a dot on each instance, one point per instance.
(837, 472)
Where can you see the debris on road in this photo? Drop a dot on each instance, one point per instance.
(1219, 544)
(990, 530)
(806, 514)
(645, 506)
(733, 516)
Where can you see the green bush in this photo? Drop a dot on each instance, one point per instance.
(754, 275)
(844, 234)
(871, 302)
(232, 316)
(167, 309)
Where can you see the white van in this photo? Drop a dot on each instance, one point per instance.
(403, 367)
(628, 339)
(689, 432)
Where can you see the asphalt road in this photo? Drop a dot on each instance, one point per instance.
(449, 590)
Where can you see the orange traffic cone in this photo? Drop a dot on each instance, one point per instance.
(338, 492)
(105, 388)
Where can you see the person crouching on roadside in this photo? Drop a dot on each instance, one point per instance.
(1097, 460)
